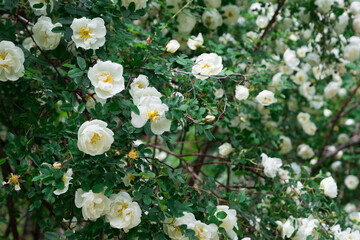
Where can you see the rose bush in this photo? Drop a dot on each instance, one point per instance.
(199, 119)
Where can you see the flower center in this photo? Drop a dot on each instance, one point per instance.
(205, 66)
(95, 138)
(106, 77)
(124, 206)
(153, 115)
(133, 154)
(230, 14)
(63, 178)
(85, 33)
(131, 177)
(3, 56)
(14, 179)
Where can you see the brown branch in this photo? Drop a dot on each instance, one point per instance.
(336, 118)
(272, 21)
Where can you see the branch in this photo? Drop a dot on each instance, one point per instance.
(272, 21)
(336, 118)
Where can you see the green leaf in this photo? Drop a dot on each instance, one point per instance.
(81, 63)
(38, 5)
(2, 161)
(75, 73)
(66, 107)
(221, 215)
(58, 30)
(51, 235)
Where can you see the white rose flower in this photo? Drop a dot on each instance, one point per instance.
(290, 59)
(212, 19)
(262, 21)
(186, 22)
(285, 145)
(313, 59)
(139, 93)
(331, 89)
(252, 35)
(324, 6)
(307, 91)
(94, 137)
(355, 217)
(171, 225)
(300, 77)
(336, 165)
(42, 10)
(195, 42)
(28, 43)
(351, 182)
(303, 118)
(172, 46)
(128, 178)
(231, 14)
(139, 4)
(342, 92)
(94, 205)
(174, 5)
(341, 24)
(306, 227)
(66, 179)
(11, 61)
(43, 36)
(241, 92)
(351, 52)
(271, 165)
(305, 151)
(275, 81)
(343, 138)
(107, 79)
(229, 222)
(92, 99)
(266, 98)
(205, 232)
(212, 3)
(151, 108)
(301, 51)
(287, 228)
(207, 64)
(350, 207)
(124, 213)
(329, 186)
(309, 128)
(219, 93)
(225, 149)
(88, 33)
(317, 102)
(355, 8)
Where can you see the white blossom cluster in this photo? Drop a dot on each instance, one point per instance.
(202, 231)
(147, 99)
(119, 210)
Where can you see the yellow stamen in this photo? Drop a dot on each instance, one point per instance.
(153, 115)
(230, 14)
(133, 154)
(3, 56)
(131, 177)
(63, 178)
(123, 207)
(95, 138)
(106, 77)
(14, 179)
(85, 33)
(205, 66)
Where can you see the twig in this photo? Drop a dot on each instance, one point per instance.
(336, 118)
(272, 21)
